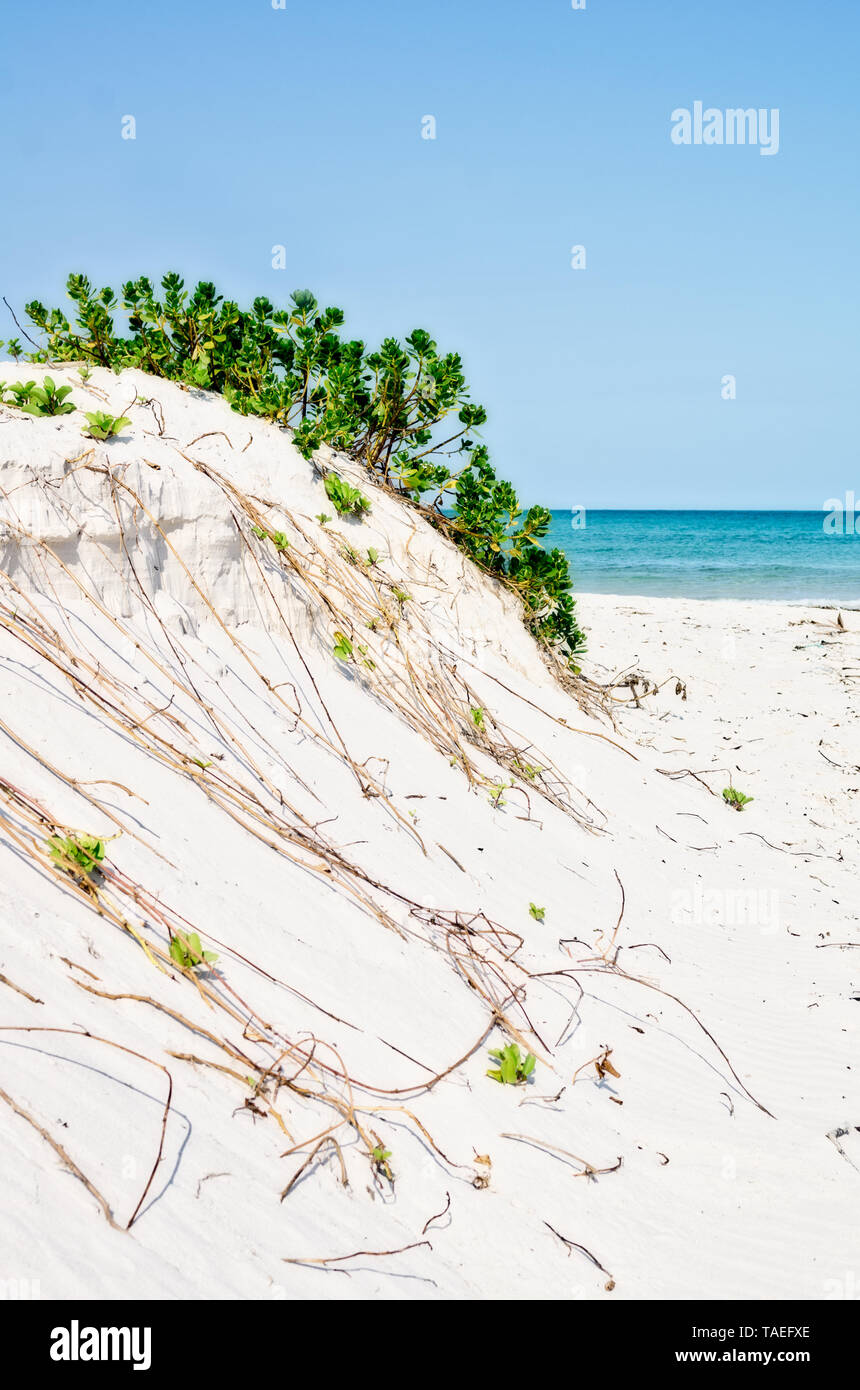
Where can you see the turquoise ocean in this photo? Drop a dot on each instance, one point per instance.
(711, 554)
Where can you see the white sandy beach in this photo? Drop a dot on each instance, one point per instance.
(339, 834)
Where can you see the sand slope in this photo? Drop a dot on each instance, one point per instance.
(339, 833)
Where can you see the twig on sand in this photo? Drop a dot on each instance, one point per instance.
(60, 1151)
(4, 980)
(438, 1215)
(208, 435)
(802, 853)
(675, 773)
(108, 1042)
(371, 1254)
(329, 1139)
(604, 954)
(575, 1245)
(637, 979)
(834, 1136)
(588, 1169)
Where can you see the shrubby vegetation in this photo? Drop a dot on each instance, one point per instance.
(188, 953)
(513, 1068)
(85, 851)
(737, 800)
(383, 408)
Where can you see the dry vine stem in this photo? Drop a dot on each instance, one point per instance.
(108, 1042)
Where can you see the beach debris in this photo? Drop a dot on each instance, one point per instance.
(604, 1067)
(842, 1132)
(439, 1214)
(575, 1245)
(482, 1180)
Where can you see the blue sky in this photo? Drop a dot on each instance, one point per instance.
(301, 127)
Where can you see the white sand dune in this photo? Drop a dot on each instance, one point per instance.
(346, 837)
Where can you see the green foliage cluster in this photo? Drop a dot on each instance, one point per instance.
(87, 851)
(382, 408)
(47, 399)
(347, 500)
(514, 1069)
(188, 952)
(104, 426)
(278, 539)
(736, 799)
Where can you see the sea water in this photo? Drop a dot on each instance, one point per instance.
(711, 554)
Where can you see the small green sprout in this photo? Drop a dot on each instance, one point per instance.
(275, 537)
(322, 518)
(379, 1158)
(513, 1068)
(401, 596)
(278, 539)
(342, 647)
(372, 555)
(477, 714)
(15, 348)
(539, 913)
(104, 426)
(736, 799)
(188, 953)
(87, 851)
(85, 373)
(497, 795)
(201, 762)
(526, 770)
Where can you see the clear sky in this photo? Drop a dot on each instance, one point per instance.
(302, 126)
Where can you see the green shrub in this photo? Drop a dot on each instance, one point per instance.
(102, 426)
(87, 851)
(48, 399)
(188, 953)
(736, 799)
(382, 408)
(347, 500)
(513, 1068)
